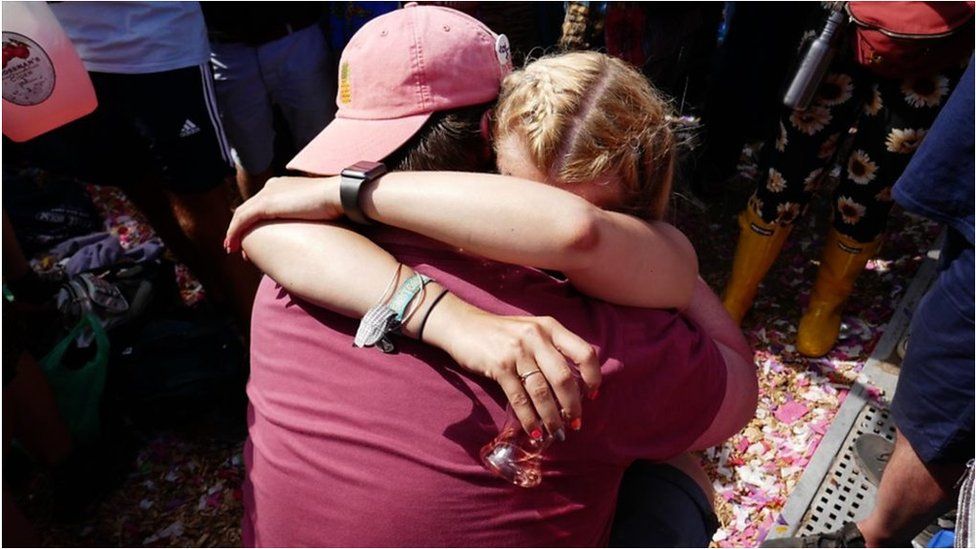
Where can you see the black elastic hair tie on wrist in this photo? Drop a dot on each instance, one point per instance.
(423, 323)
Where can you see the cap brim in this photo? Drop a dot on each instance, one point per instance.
(346, 141)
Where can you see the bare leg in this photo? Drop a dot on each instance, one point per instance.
(149, 197)
(911, 494)
(249, 184)
(193, 227)
(204, 218)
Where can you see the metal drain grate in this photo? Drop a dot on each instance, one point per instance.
(846, 495)
(832, 491)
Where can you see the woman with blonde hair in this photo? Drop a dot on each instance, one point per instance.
(582, 122)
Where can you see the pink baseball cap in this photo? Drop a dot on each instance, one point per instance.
(397, 71)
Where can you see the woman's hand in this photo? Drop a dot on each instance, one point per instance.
(528, 356)
(299, 198)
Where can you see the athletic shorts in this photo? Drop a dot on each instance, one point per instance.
(658, 505)
(163, 125)
(934, 400)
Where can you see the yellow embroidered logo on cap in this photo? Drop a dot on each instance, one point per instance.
(345, 93)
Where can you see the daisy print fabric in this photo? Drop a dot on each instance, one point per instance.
(857, 136)
(860, 168)
(811, 120)
(837, 88)
(926, 91)
(874, 103)
(850, 210)
(904, 141)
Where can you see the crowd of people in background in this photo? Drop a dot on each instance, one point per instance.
(511, 166)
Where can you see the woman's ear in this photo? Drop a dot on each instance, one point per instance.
(486, 120)
(488, 154)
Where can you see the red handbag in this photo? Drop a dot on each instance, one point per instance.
(901, 39)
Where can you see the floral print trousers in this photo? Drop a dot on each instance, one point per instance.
(889, 119)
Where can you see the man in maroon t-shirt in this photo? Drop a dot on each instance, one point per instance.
(353, 447)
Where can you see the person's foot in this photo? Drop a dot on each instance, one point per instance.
(847, 536)
(871, 453)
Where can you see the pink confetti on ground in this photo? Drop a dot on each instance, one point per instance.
(790, 412)
(756, 470)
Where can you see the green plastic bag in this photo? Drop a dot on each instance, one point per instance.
(78, 391)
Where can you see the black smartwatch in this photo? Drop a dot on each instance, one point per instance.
(353, 179)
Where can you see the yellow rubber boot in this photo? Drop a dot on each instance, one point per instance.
(842, 262)
(759, 245)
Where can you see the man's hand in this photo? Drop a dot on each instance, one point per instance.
(300, 198)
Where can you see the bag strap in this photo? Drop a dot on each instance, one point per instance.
(52, 360)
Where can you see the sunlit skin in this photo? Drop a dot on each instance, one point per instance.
(513, 159)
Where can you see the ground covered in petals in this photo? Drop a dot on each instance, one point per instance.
(756, 470)
(183, 489)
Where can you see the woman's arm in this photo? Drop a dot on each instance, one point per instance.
(608, 255)
(347, 273)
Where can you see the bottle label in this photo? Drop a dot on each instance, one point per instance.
(28, 73)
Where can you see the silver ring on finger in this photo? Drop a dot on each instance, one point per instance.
(526, 375)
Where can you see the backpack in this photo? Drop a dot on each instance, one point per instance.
(903, 39)
(172, 368)
(45, 210)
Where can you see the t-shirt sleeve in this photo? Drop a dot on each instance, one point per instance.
(664, 390)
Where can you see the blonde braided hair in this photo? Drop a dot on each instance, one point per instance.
(574, 35)
(586, 115)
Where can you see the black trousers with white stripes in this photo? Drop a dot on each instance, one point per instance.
(162, 124)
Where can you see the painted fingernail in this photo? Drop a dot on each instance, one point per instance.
(536, 434)
(560, 434)
(593, 394)
(576, 424)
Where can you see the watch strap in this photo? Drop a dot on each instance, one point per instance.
(349, 188)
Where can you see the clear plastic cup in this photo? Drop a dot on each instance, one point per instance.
(514, 455)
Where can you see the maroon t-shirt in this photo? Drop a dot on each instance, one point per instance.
(353, 447)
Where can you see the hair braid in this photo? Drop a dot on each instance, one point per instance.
(586, 116)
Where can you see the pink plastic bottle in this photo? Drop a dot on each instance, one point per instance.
(45, 85)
